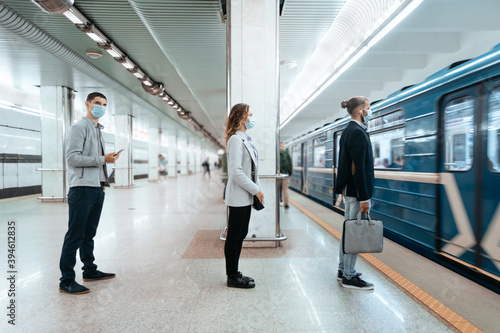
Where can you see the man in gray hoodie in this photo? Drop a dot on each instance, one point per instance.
(88, 179)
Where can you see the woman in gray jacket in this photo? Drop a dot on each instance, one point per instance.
(242, 185)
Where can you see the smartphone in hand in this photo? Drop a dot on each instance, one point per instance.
(118, 152)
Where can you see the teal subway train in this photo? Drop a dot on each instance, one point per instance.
(436, 148)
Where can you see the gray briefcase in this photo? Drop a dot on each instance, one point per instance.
(363, 235)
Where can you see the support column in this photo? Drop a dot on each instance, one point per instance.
(197, 154)
(253, 72)
(182, 149)
(56, 119)
(154, 143)
(124, 176)
(172, 153)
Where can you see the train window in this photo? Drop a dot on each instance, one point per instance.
(388, 149)
(319, 156)
(459, 134)
(388, 120)
(319, 151)
(494, 131)
(296, 156)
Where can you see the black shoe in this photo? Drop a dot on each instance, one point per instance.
(340, 275)
(73, 288)
(240, 282)
(239, 274)
(286, 206)
(98, 275)
(356, 283)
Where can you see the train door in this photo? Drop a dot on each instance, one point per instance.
(337, 197)
(470, 195)
(490, 172)
(296, 179)
(305, 187)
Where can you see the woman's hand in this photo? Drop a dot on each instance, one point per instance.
(260, 196)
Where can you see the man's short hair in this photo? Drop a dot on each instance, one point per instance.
(93, 95)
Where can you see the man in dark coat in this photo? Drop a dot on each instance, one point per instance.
(354, 181)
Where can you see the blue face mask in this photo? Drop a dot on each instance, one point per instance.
(251, 123)
(368, 116)
(98, 111)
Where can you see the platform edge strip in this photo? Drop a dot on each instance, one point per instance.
(451, 317)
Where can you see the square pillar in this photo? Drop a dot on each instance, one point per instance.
(154, 142)
(253, 78)
(56, 119)
(124, 176)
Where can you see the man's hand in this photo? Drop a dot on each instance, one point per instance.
(365, 206)
(260, 196)
(111, 157)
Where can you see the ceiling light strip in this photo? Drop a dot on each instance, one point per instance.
(82, 23)
(392, 16)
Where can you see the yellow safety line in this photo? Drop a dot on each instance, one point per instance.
(454, 319)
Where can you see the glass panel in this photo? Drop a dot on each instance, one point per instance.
(494, 131)
(321, 140)
(337, 148)
(319, 156)
(459, 134)
(421, 126)
(296, 157)
(389, 120)
(388, 149)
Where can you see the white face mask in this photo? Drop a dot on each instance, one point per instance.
(368, 116)
(250, 124)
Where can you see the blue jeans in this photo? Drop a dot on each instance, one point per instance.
(348, 261)
(85, 206)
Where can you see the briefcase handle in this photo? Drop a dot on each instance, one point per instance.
(358, 220)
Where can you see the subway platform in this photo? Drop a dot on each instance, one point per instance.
(162, 241)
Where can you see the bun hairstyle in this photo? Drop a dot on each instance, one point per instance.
(353, 103)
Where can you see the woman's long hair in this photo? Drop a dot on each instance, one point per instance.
(237, 114)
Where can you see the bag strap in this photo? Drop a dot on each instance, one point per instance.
(358, 218)
(253, 172)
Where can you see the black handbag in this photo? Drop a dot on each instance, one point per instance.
(257, 205)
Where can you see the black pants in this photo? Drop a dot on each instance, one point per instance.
(85, 205)
(237, 230)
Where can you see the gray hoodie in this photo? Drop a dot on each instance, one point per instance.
(82, 154)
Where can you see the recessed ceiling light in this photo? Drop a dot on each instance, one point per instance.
(94, 54)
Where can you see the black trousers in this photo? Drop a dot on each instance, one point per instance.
(237, 229)
(85, 206)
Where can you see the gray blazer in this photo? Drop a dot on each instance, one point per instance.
(240, 188)
(82, 154)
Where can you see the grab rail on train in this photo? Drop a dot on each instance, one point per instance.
(280, 235)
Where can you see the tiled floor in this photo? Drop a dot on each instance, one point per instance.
(166, 282)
